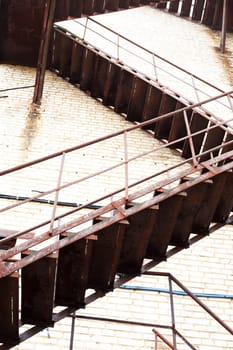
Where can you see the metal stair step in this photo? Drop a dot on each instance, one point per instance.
(189, 208)
(99, 6)
(72, 273)
(124, 91)
(76, 8)
(185, 8)
(162, 127)
(66, 46)
(151, 105)
(99, 77)
(57, 40)
(124, 4)
(76, 63)
(161, 5)
(137, 99)
(178, 128)
(105, 256)
(38, 286)
(112, 5)
(198, 9)
(9, 306)
(135, 240)
(166, 218)
(111, 83)
(134, 2)
(88, 7)
(173, 6)
(207, 17)
(87, 72)
(225, 203)
(207, 208)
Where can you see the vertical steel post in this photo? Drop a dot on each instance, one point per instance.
(118, 48)
(190, 139)
(126, 166)
(172, 313)
(43, 51)
(72, 330)
(85, 28)
(57, 194)
(224, 26)
(155, 67)
(156, 342)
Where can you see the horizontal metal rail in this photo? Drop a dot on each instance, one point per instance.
(81, 206)
(142, 125)
(192, 296)
(17, 88)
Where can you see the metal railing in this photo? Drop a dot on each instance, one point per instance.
(147, 63)
(175, 333)
(175, 339)
(110, 200)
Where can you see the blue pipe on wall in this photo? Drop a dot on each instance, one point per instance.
(177, 292)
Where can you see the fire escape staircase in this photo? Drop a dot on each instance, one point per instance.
(55, 262)
(207, 12)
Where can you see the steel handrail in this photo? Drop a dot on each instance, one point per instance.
(147, 189)
(121, 213)
(156, 55)
(155, 81)
(121, 132)
(60, 187)
(140, 155)
(167, 342)
(193, 76)
(191, 295)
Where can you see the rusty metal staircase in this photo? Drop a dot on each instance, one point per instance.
(54, 262)
(206, 12)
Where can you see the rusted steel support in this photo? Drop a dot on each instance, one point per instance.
(43, 52)
(224, 26)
